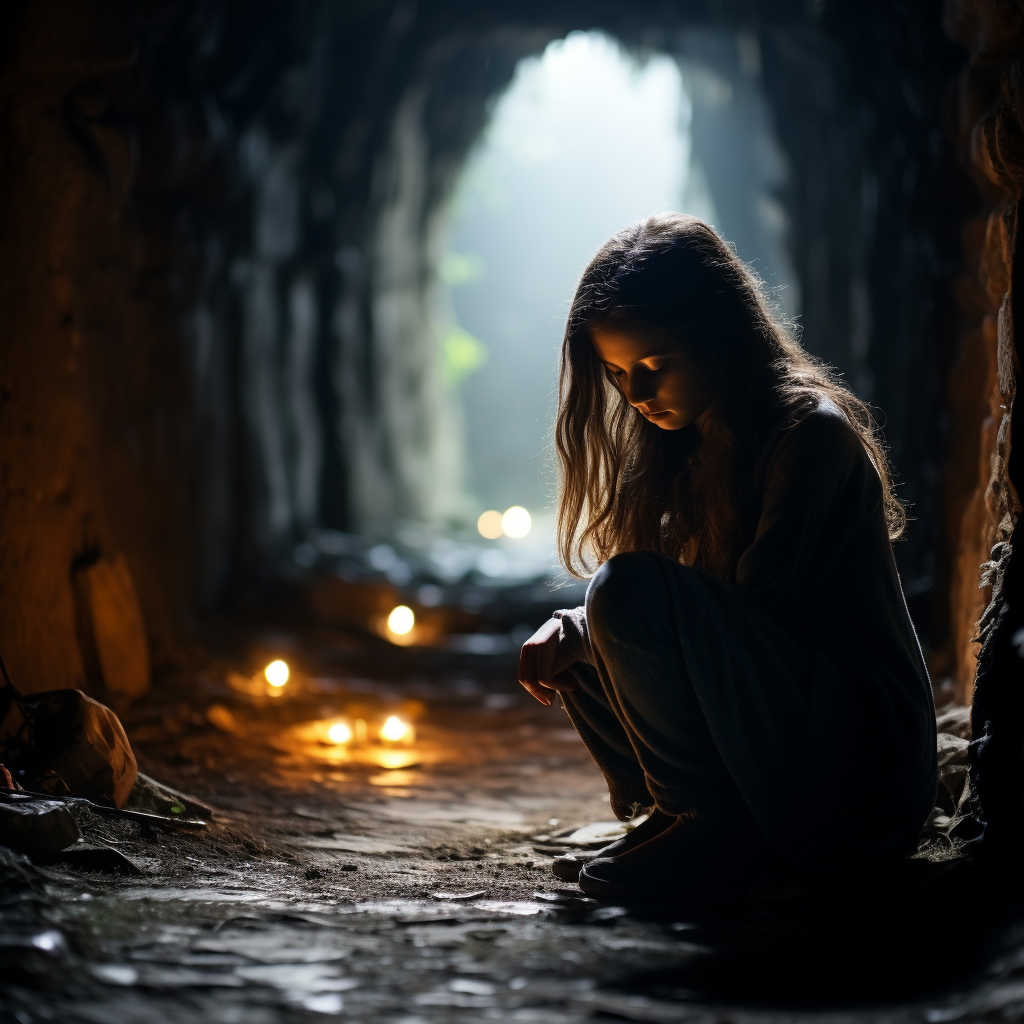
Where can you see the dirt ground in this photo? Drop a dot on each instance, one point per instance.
(410, 884)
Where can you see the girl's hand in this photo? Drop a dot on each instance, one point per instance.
(540, 668)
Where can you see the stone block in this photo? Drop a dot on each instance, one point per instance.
(117, 629)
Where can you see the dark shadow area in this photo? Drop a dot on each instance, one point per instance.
(851, 945)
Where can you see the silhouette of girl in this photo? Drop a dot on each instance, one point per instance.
(744, 666)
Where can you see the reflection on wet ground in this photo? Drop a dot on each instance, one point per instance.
(334, 882)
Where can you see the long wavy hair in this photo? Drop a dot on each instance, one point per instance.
(628, 485)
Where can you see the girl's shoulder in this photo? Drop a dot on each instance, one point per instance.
(825, 421)
(818, 438)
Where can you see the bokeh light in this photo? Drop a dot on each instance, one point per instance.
(339, 733)
(394, 730)
(401, 620)
(489, 524)
(277, 673)
(516, 522)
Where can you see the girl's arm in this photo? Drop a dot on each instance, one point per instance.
(544, 659)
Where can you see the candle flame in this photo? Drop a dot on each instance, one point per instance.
(277, 673)
(339, 733)
(401, 620)
(394, 730)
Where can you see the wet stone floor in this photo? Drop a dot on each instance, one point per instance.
(410, 883)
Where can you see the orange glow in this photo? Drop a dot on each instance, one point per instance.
(401, 620)
(392, 759)
(277, 673)
(339, 733)
(395, 730)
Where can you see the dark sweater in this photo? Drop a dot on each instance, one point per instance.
(821, 568)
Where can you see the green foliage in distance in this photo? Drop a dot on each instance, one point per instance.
(461, 355)
(460, 268)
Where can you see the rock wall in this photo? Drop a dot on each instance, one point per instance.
(988, 118)
(216, 276)
(100, 431)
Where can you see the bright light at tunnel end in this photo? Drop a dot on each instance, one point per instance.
(401, 620)
(277, 673)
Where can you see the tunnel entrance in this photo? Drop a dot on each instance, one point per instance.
(585, 140)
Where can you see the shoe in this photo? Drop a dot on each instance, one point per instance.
(569, 865)
(690, 861)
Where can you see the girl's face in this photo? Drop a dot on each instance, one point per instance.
(654, 375)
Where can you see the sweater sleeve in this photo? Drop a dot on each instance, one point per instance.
(819, 489)
(573, 635)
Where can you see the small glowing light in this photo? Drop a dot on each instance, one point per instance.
(394, 730)
(401, 620)
(339, 733)
(48, 942)
(516, 522)
(392, 759)
(277, 673)
(489, 524)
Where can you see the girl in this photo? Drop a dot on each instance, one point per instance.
(744, 665)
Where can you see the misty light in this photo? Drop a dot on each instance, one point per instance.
(516, 522)
(489, 524)
(585, 140)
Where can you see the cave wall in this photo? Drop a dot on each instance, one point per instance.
(218, 221)
(99, 428)
(987, 120)
(221, 227)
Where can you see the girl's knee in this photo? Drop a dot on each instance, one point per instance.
(622, 588)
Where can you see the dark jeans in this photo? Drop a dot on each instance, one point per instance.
(699, 703)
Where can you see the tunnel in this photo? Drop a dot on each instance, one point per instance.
(284, 286)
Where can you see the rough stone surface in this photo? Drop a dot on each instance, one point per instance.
(990, 132)
(114, 634)
(39, 828)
